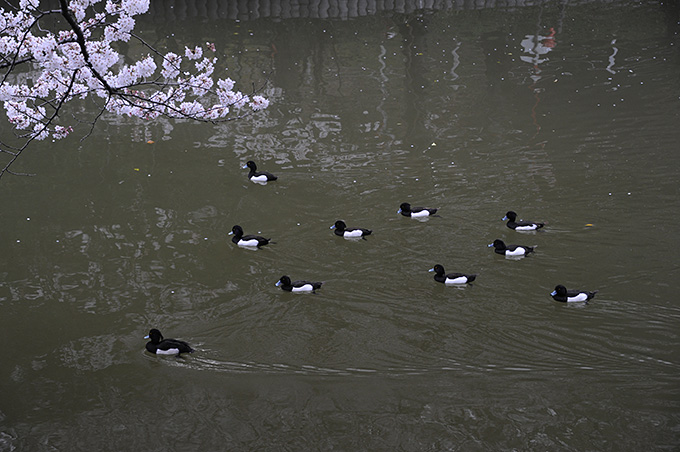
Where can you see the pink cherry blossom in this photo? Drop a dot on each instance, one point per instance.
(84, 60)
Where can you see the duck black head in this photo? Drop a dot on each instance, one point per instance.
(155, 336)
(510, 215)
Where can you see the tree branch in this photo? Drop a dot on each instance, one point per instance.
(80, 39)
(65, 70)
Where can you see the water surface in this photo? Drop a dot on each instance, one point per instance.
(566, 113)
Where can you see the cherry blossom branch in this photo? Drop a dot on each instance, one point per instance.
(15, 155)
(80, 39)
(72, 64)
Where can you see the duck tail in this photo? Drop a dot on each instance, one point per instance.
(316, 286)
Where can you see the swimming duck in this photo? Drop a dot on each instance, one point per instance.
(521, 225)
(415, 212)
(297, 286)
(159, 346)
(247, 240)
(567, 296)
(511, 250)
(451, 278)
(342, 230)
(258, 176)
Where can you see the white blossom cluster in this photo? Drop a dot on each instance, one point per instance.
(172, 85)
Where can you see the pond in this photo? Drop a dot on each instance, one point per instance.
(565, 112)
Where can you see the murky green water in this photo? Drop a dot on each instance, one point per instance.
(460, 110)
